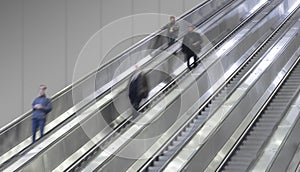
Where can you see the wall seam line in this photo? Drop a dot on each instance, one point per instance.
(23, 58)
(66, 43)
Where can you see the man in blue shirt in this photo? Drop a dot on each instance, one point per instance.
(41, 107)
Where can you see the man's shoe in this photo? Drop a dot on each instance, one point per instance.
(195, 64)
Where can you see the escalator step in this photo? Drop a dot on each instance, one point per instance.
(241, 158)
(295, 84)
(151, 168)
(258, 133)
(162, 158)
(207, 109)
(240, 153)
(262, 125)
(278, 101)
(188, 129)
(261, 128)
(254, 138)
(204, 113)
(282, 97)
(232, 169)
(235, 169)
(201, 117)
(253, 142)
(268, 120)
(169, 153)
(248, 147)
(238, 163)
(222, 96)
(170, 147)
(280, 104)
(276, 107)
(271, 115)
(184, 134)
(273, 111)
(177, 142)
(158, 163)
(236, 80)
(289, 87)
(180, 138)
(198, 121)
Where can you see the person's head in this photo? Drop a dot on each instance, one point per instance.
(42, 90)
(191, 28)
(172, 18)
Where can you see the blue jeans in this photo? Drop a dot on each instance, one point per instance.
(38, 123)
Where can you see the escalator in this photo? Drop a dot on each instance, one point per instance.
(207, 145)
(116, 160)
(90, 135)
(90, 108)
(262, 128)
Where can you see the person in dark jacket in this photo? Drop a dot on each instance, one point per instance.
(41, 107)
(138, 89)
(191, 46)
(172, 30)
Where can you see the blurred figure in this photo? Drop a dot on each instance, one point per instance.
(41, 107)
(172, 30)
(138, 89)
(191, 46)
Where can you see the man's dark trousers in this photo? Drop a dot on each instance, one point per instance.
(38, 123)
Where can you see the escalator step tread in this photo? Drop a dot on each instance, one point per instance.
(238, 163)
(204, 113)
(243, 158)
(262, 128)
(258, 124)
(261, 125)
(253, 143)
(273, 111)
(263, 134)
(255, 138)
(234, 169)
(158, 163)
(162, 158)
(151, 168)
(240, 153)
(265, 120)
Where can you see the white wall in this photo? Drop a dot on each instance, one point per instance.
(40, 41)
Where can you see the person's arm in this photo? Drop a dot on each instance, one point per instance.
(167, 26)
(48, 107)
(33, 104)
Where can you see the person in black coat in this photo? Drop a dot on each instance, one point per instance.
(138, 89)
(191, 46)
